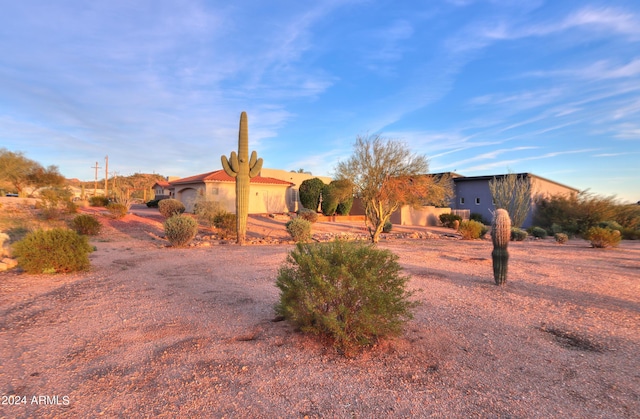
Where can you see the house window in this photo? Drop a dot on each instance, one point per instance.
(214, 191)
(477, 201)
(461, 201)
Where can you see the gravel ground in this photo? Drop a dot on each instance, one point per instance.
(154, 331)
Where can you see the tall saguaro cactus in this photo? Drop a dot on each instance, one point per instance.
(500, 235)
(243, 168)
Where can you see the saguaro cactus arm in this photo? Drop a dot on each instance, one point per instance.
(255, 164)
(230, 166)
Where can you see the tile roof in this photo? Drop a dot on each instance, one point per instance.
(162, 183)
(222, 176)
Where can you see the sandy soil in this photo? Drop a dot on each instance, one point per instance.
(154, 331)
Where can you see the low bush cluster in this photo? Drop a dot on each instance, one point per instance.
(86, 224)
(478, 217)
(448, 220)
(307, 214)
(299, 229)
(117, 210)
(170, 207)
(561, 238)
(349, 293)
(518, 234)
(471, 230)
(180, 229)
(387, 227)
(603, 237)
(58, 250)
(207, 211)
(98, 201)
(225, 222)
(538, 232)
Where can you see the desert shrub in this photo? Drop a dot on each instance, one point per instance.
(117, 210)
(556, 228)
(478, 217)
(86, 224)
(538, 232)
(98, 201)
(611, 225)
(180, 229)
(470, 229)
(307, 214)
(170, 207)
(300, 229)
(207, 211)
(561, 238)
(631, 234)
(387, 227)
(53, 251)
(603, 237)
(448, 219)
(344, 207)
(330, 201)
(576, 213)
(518, 234)
(225, 222)
(350, 293)
(309, 192)
(484, 230)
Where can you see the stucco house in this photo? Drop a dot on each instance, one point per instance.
(272, 191)
(472, 193)
(267, 195)
(162, 188)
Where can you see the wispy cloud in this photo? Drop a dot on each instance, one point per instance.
(518, 161)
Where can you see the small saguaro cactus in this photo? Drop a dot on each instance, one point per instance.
(243, 168)
(500, 235)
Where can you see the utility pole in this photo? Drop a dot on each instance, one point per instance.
(95, 183)
(106, 176)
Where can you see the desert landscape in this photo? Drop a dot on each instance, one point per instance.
(156, 331)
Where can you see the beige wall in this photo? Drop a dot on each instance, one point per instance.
(423, 216)
(262, 198)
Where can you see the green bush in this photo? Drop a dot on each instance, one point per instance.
(631, 234)
(538, 232)
(518, 234)
(330, 201)
(86, 224)
(344, 207)
(53, 251)
(180, 229)
(478, 217)
(470, 229)
(300, 229)
(448, 219)
(207, 211)
(603, 237)
(350, 293)
(387, 227)
(226, 223)
(117, 210)
(307, 214)
(309, 192)
(561, 238)
(611, 225)
(98, 201)
(170, 207)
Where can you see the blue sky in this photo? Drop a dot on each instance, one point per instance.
(479, 87)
